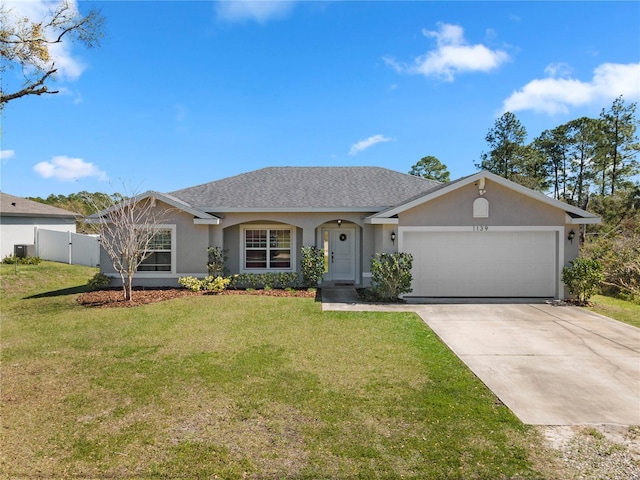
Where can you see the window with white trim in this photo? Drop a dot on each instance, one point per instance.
(160, 253)
(267, 248)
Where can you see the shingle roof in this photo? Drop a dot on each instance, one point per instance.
(361, 188)
(17, 206)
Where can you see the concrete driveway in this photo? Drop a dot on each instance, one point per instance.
(550, 365)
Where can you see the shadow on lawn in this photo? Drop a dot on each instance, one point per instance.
(61, 292)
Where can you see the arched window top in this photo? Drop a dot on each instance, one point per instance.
(480, 208)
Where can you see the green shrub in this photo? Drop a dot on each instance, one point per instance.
(98, 281)
(619, 256)
(391, 275)
(209, 284)
(12, 259)
(217, 261)
(268, 280)
(190, 283)
(215, 284)
(312, 265)
(582, 277)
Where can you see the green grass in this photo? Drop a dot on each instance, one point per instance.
(239, 387)
(621, 310)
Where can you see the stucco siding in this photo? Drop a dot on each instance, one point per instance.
(506, 207)
(232, 245)
(190, 251)
(191, 245)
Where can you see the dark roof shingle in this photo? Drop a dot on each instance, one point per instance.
(314, 188)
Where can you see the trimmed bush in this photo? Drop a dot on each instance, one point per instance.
(98, 281)
(208, 284)
(12, 259)
(215, 284)
(583, 277)
(391, 275)
(312, 265)
(265, 280)
(217, 261)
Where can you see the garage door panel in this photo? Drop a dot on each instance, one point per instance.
(483, 264)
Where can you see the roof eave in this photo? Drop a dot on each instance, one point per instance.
(292, 209)
(168, 199)
(41, 215)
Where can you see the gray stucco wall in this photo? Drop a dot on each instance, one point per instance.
(506, 207)
(191, 242)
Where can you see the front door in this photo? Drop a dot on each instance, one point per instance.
(340, 254)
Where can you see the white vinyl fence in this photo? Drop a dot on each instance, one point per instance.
(68, 247)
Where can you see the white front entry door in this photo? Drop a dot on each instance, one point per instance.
(340, 253)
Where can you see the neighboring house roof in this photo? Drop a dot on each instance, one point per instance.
(577, 215)
(11, 206)
(307, 188)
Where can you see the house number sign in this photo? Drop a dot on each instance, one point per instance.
(480, 228)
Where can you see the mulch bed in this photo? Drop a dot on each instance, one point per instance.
(114, 298)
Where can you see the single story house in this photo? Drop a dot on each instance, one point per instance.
(21, 218)
(480, 236)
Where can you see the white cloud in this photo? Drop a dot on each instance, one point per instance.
(558, 69)
(369, 142)
(69, 67)
(260, 11)
(452, 56)
(68, 169)
(7, 154)
(557, 95)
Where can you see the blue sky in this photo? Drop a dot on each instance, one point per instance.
(183, 93)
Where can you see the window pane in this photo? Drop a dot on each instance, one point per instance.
(255, 238)
(280, 259)
(156, 262)
(256, 259)
(267, 249)
(280, 238)
(161, 240)
(326, 251)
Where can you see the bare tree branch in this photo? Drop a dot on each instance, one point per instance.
(128, 229)
(36, 88)
(25, 42)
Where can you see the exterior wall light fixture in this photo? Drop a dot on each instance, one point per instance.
(393, 238)
(339, 223)
(571, 235)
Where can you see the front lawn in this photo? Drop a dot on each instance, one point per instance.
(621, 310)
(238, 387)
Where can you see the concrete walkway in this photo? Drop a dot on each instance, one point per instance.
(551, 365)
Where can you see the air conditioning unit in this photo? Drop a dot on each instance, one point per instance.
(24, 251)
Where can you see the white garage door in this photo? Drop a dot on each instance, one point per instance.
(482, 264)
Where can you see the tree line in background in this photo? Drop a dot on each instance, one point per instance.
(572, 162)
(84, 203)
(591, 163)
